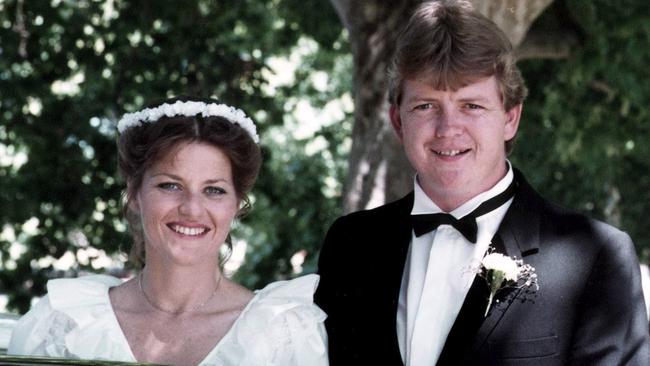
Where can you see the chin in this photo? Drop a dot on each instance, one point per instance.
(450, 179)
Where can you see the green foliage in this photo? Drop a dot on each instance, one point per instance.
(299, 189)
(584, 131)
(69, 69)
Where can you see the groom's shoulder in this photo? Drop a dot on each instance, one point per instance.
(559, 218)
(564, 222)
(570, 222)
(374, 221)
(388, 211)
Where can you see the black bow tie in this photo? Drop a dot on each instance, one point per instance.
(466, 225)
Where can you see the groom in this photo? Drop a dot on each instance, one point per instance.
(399, 283)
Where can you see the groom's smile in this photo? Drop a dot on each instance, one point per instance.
(450, 153)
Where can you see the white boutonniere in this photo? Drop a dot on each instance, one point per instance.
(502, 272)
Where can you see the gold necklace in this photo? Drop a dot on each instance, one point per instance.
(144, 294)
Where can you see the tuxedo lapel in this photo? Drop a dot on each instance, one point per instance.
(517, 236)
(471, 316)
(398, 232)
(467, 323)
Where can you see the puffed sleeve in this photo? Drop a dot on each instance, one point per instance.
(74, 320)
(40, 332)
(310, 345)
(283, 326)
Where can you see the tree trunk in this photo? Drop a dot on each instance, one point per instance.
(378, 170)
(377, 166)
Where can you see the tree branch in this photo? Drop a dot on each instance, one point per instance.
(342, 8)
(20, 28)
(549, 45)
(514, 17)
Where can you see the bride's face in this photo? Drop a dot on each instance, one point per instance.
(186, 203)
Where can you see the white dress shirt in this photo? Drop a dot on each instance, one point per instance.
(440, 268)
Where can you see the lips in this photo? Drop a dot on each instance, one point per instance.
(189, 230)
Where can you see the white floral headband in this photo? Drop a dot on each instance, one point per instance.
(189, 109)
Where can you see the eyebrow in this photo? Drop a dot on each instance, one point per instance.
(420, 99)
(176, 177)
(477, 98)
(469, 99)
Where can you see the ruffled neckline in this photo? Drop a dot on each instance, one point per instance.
(98, 334)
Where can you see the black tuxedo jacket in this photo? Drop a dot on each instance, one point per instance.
(589, 309)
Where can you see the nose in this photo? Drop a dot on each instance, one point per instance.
(448, 123)
(191, 205)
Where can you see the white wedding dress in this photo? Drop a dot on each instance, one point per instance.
(280, 326)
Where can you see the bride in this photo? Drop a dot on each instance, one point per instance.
(188, 165)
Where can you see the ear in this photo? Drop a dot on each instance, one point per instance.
(512, 121)
(134, 205)
(396, 121)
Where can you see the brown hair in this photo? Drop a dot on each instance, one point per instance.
(452, 45)
(141, 146)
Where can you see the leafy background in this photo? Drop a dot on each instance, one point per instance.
(69, 69)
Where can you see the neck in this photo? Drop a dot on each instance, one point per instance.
(449, 202)
(179, 290)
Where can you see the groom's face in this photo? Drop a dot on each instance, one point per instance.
(454, 138)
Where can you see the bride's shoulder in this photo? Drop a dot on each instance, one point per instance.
(70, 304)
(65, 292)
(284, 304)
(282, 323)
(299, 290)
(80, 299)
(88, 282)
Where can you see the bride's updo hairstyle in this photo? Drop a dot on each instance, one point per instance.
(149, 135)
